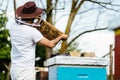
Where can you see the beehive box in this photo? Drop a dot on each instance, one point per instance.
(77, 68)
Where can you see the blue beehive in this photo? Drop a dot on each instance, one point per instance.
(77, 68)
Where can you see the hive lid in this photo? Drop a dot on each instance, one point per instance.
(82, 61)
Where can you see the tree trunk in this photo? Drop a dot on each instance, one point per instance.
(72, 15)
(8, 69)
(49, 19)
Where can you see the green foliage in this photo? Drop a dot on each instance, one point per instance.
(40, 52)
(2, 76)
(4, 35)
(3, 20)
(73, 47)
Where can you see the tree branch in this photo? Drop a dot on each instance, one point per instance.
(15, 7)
(109, 8)
(84, 33)
(105, 3)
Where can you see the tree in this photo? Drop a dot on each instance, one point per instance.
(76, 9)
(5, 45)
(4, 38)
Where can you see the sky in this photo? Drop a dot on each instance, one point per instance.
(97, 41)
